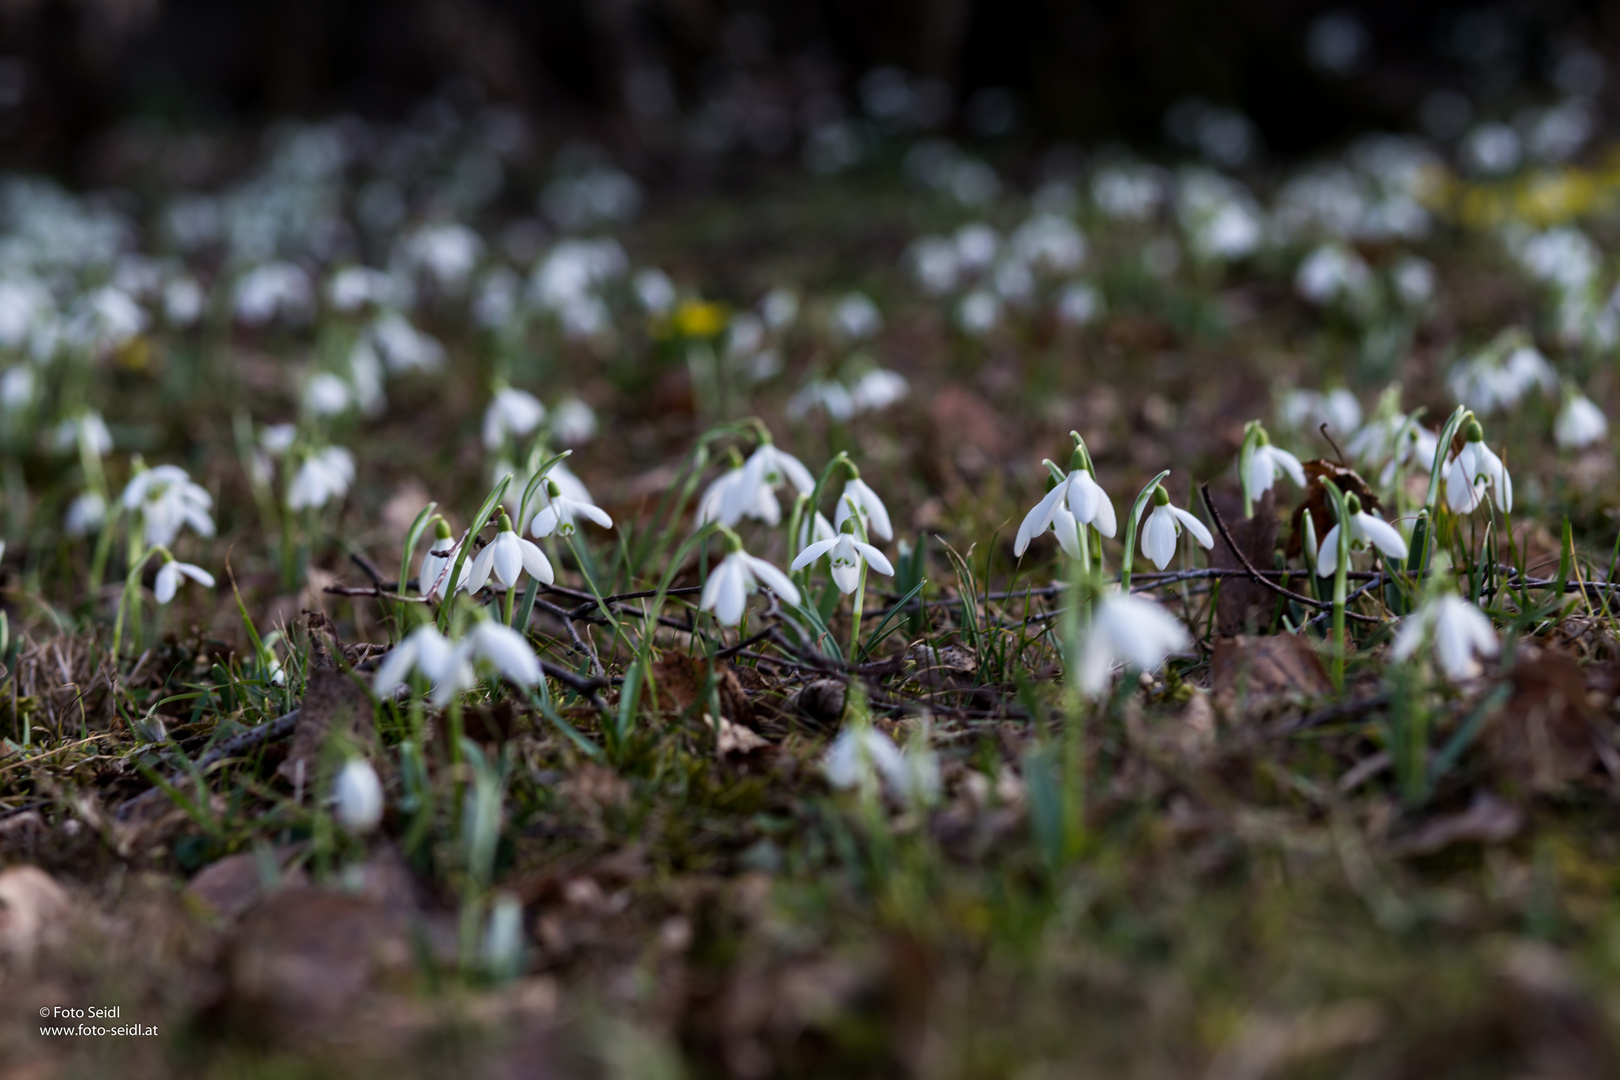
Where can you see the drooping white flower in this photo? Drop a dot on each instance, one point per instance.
(1266, 463)
(325, 394)
(573, 422)
(434, 577)
(85, 514)
(87, 429)
(858, 497)
(1164, 524)
(168, 501)
(1080, 497)
(862, 758)
(324, 475)
(1475, 470)
(506, 559)
(846, 554)
(357, 797)
(1459, 632)
(1365, 531)
(1580, 423)
(877, 389)
(1126, 629)
(855, 317)
(734, 578)
(767, 469)
(559, 513)
(452, 666)
(169, 575)
(512, 414)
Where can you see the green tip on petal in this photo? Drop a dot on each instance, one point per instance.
(505, 524)
(1352, 504)
(1473, 432)
(441, 528)
(551, 488)
(1161, 497)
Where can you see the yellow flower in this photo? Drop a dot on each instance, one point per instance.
(699, 319)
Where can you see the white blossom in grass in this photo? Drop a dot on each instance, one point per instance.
(87, 428)
(819, 526)
(1079, 303)
(654, 290)
(779, 308)
(1266, 463)
(434, 576)
(559, 513)
(573, 422)
(1475, 470)
(85, 514)
(863, 758)
(357, 797)
(1130, 630)
(452, 667)
(170, 574)
(1459, 632)
(275, 290)
(1164, 524)
(168, 501)
(427, 651)
(1580, 423)
(325, 394)
(735, 577)
(846, 554)
(766, 469)
(403, 346)
(17, 386)
(1365, 531)
(1080, 496)
(277, 439)
(507, 558)
(183, 301)
(325, 475)
(855, 317)
(877, 389)
(858, 497)
(1307, 410)
(512, 414)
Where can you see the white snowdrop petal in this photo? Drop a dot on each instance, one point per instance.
(812, 553)
(1199, 530)
(771, 576)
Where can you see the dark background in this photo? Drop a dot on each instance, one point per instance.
(622, 71)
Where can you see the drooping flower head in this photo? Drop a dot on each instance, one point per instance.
(735, 577)
(1459, 632)
(1365, 531)
(1164, 524)
(1077, 500)
(1474, 471)
(847, 554)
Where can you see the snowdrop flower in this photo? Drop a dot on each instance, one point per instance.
(935, 264)
(1126, 629)
(1266, 463)
(1307, 410)
(87, 429)
(355, 287)
(1077, 495)
(766, 469)
(1163, 526)
(779, 308)
(1079, 303)
(451, 667)
(326, 395)
(737, 575)
(827, 394)
(559, 513)
(1579, 423)
(856, 317)
(357, 797)
(276, 290)
(1459, 631)
(448, 253)
(507, 557)
(169, 575)
(573, 422)
(17, 387)
(1332, 274)
(862, 757)
(760, 502)
(325, 475)
(432, 579)
(512, 413)
(427, 651)
(277, 439)
(1476, 468)
(85, 514)
(874, 515)
(168, 501)
(878, 389)
(403, 346)
(1365, 531)
(654, 290)
(846, 554)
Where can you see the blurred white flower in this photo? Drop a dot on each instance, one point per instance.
(275, 291)
(934, 263)
(979, 312)
(779, 308)
(357, 797)
(1126, 629)
(324, 475)
(1079, 303)
(573, 422)
(168, 501)
(855, 317)
(87, 430)
(1334, 274)
(877, 389)
(448, 253)
(325, 394)
(1307, 410)
(1580, 423)
(859, 498)
(1459, 632)
(654, 289)
(863, 758)
(403, 346)
(85, 514)
(169, 576)
(183, 301)
(512, 414)
(355, 287)
(1268, 462)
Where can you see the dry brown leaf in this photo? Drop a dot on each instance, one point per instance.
(231, 886)
(734, 739)
(1259, 673)
(1543, 736)
(333, 702)
(1240, 597)
(681, 680)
